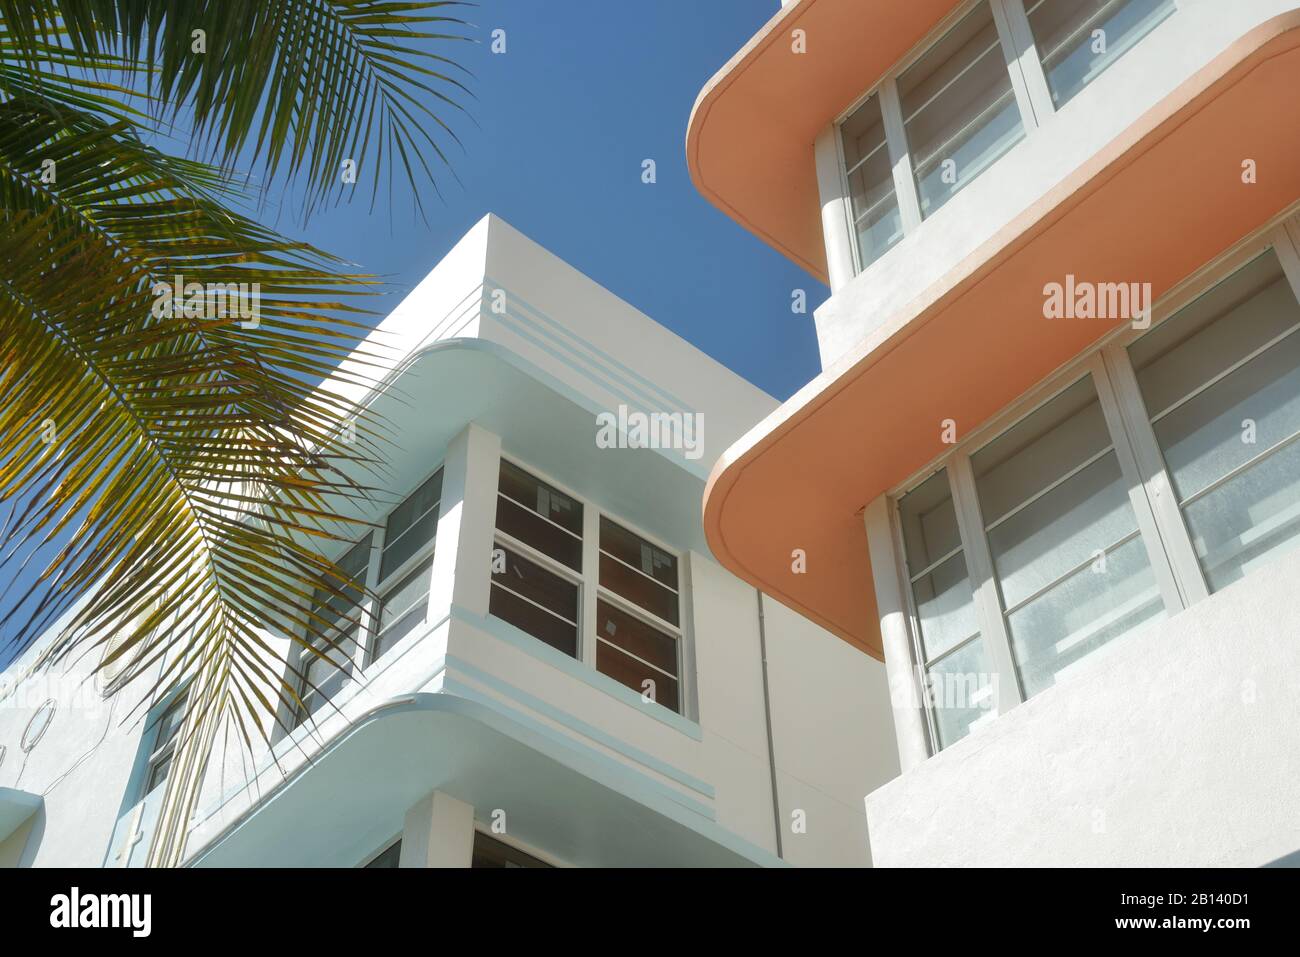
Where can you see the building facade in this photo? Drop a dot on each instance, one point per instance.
(556, 672)
(1050, 472)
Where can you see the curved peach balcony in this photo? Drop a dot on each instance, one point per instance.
(1154, 206)
(750, 138)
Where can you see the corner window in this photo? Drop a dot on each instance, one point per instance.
(1078, 39)
(959, 109)
(355, 632)
(1221, 384)
(539, 580)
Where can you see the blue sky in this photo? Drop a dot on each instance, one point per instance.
(585, 91)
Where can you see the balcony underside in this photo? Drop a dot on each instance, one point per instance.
(352, 797)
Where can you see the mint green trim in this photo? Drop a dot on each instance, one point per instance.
(582, 727)
(571, 666)
(629, 377)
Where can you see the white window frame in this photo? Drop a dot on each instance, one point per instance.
(590, 589)
(1028, 83)
(167, 749)
(374, 593)
(1160, 520)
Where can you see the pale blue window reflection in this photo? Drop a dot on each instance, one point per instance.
(1221, 383)
(1071, 569)
(959, 109)
(1078, 39)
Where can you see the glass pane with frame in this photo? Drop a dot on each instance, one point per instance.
(1221, 381)
(644, 574)
(1078, 39)
(539, 515)
(876, 216)
(1071, 570)
(961, 690)
(402, 608)
(411, 525)
(336, 600)
(537, 601)
(324, 677)
(959, 108)
(941, 589)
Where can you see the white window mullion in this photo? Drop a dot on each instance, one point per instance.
(369, 615)
(1286, 243)
(1031, 64)
(979, 567)
(590, 581)
(1149, 528)
(1150, 464)
(1015, 52)
(909, 201)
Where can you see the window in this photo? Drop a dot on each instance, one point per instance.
(539, 581)
(1078, 39)
(1221, 384)
(166, 728)
(959, 109)
(538, 594)
(952, 653)
(953, 108)
(1071, 569)
(356, 632)
(1045, 537)
(877, 220)
(638, 611)
(326, 666)
(489, 852)
(389, 857)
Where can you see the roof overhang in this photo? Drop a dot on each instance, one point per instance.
(1155, 205)
(352, 797)
(442, 386)
(749, 144)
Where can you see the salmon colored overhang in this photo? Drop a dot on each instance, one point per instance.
(749, 143)
(1155, 205)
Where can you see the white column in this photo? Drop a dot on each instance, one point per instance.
(462, 560)
(904, 688)
(438, 832)
(836, 212)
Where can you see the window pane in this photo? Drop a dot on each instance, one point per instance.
(929, 523)
(527, 526)
(339, 599)
(403, 609)
(876, 217)
(389, 858)
(411, 526)
(537, 622)
(546, 501)
(322, 678)
(1078, 39)
(637, 552)
(942, 595)
(632, 673)
(959, 110)
(961, 691)
(1082, 612)
(537, 601)
(1071, 569)
(169, 722)
(1228, 437)
(159, 769)
(635, 637)
(945, 606)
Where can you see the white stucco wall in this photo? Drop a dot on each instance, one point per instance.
(1176, 749)
(1176, 49)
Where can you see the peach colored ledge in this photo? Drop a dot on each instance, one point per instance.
(1158, 203)
(749, 143)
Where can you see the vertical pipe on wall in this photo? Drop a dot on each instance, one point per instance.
(767, 717)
